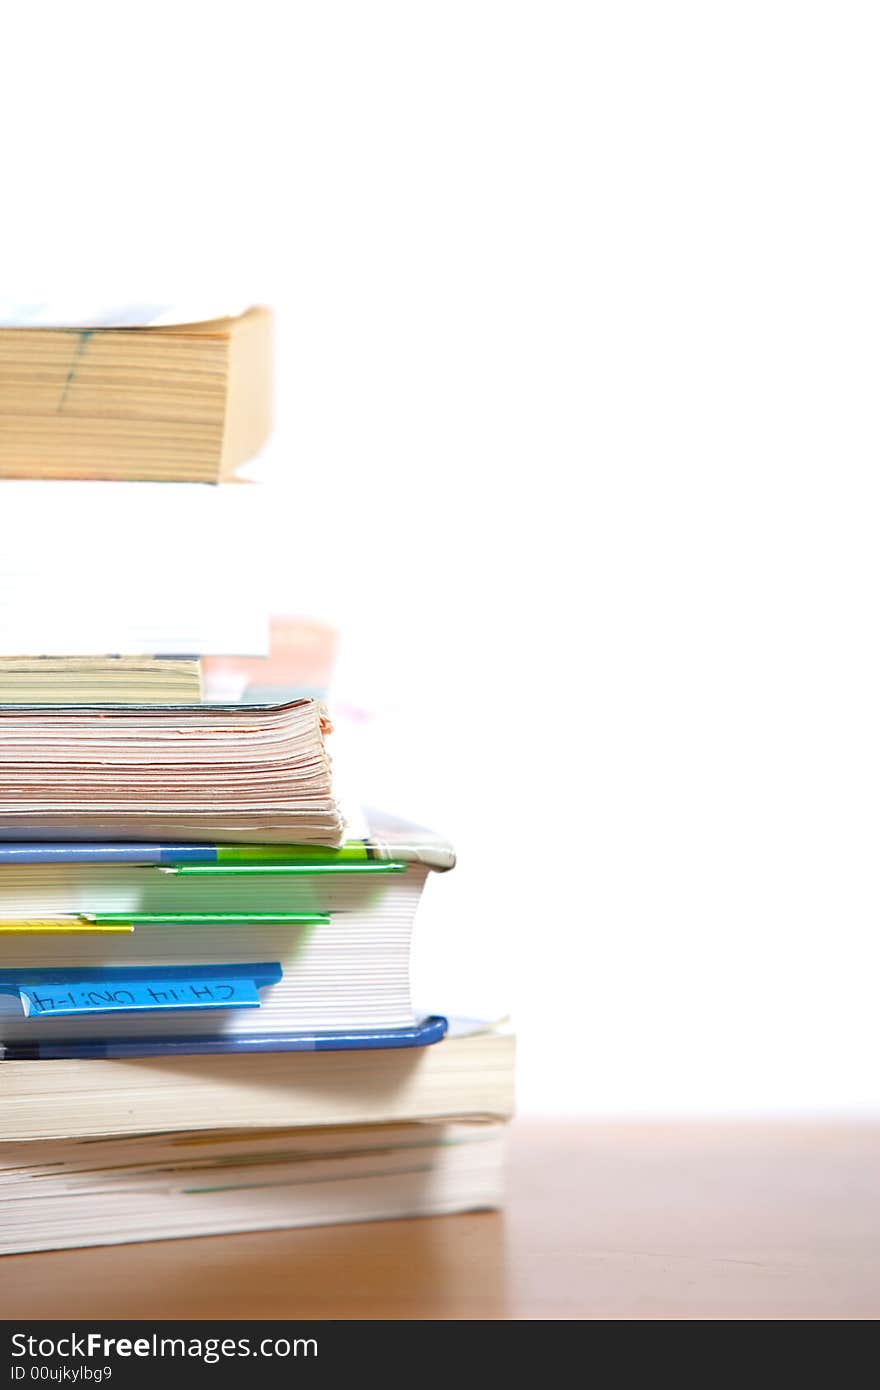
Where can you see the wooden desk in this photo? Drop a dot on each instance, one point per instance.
(604, 1221)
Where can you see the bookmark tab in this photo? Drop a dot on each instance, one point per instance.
(148, 997)
(62, 993)
(353, 851)
(77, 926)
(129, 920)
(375, 866)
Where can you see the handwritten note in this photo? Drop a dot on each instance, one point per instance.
(45, 993)
(138, 998)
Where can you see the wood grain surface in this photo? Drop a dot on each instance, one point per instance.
(729, 1220)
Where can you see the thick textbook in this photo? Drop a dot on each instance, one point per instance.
(468, 1074)
(158, 1186)
(190, 772)
(184, 402)
(120, 949)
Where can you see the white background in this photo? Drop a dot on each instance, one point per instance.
(578, 432)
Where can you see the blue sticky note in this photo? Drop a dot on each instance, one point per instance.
(150, 989)
(145, 997)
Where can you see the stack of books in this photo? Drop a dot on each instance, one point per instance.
(206, 1021)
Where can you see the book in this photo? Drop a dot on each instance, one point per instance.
(261, 940)
(422, 1033)
(208, 945)
(188, 402)
(77, 1192)
(384, 838)
(77, 680)
(190, 772)
(138, 569)
(465, 1074)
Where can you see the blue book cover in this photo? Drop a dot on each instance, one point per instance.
(429, 1030)
(103, 852)
(388, 839)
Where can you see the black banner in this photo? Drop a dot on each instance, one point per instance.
(134, 1354)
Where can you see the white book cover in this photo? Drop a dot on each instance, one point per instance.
(95, 568)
